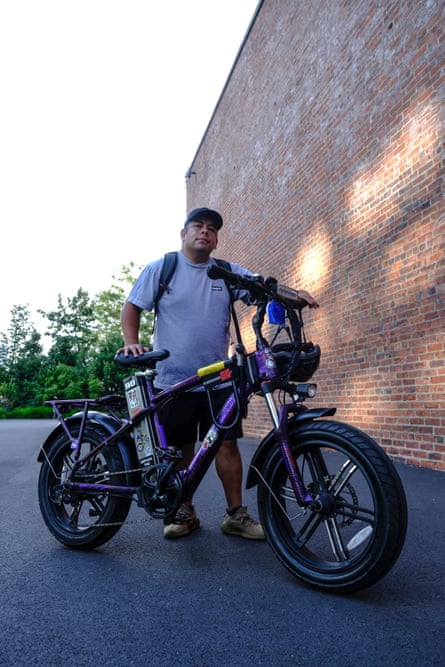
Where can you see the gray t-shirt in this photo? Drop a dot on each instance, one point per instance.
(193, 317)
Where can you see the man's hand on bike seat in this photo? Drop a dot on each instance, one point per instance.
(135, 349)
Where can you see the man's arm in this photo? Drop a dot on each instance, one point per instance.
(130, 321)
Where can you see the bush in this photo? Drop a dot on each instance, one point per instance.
(35, 412)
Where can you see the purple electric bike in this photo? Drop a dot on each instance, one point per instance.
(331, 502)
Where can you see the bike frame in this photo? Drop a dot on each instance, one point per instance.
(211, 376)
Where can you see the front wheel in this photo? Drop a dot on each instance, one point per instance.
(82, 519)
(354, 530)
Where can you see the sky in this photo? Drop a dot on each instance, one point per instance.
(104, 104)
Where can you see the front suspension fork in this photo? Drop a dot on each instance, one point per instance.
(280, 419)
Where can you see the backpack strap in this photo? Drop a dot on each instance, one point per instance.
(167, 271)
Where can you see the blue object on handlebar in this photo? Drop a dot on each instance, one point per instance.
(276, 313)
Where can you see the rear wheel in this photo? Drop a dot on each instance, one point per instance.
(82, 519)
(354, 530)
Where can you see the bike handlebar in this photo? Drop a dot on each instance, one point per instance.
(262, 289)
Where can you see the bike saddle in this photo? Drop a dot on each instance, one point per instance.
(145, 360)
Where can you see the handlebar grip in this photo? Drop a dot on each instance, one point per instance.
(291, 296)
(214, 271)
(244, 282)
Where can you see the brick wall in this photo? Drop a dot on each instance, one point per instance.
(325, 157)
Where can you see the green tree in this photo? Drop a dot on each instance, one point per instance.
(109, 305)
(71, 327)
(85, 334)
(106, 373)
(22, 361)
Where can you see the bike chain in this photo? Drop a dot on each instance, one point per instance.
(121, 523)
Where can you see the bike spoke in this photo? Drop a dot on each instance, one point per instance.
(74, 516)
(308, 529)
(316, 468)
(335, 540)
(97, 506)
(341, 479)
(355, 512)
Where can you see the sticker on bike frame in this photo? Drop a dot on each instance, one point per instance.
(133, 401)
(210, 438)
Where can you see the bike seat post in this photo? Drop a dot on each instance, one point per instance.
(149, 376)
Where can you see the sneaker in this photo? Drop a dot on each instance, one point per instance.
(242, 524)
(184, 521)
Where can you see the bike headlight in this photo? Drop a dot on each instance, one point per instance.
(308, 390)
(311, 390)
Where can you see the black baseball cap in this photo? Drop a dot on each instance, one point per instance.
(199, 214)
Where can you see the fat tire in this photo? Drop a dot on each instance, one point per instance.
(59, 516)
(359, 567)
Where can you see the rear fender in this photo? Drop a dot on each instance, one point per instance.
(269, 442)
(109, 424)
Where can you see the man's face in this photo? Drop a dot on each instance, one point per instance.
(200, 236)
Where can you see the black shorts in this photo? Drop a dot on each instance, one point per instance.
(187, 418)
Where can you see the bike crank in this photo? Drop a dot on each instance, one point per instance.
(160, 493)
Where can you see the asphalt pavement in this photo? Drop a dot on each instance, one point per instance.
(207, 600)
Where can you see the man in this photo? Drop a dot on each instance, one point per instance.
(192, 322)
